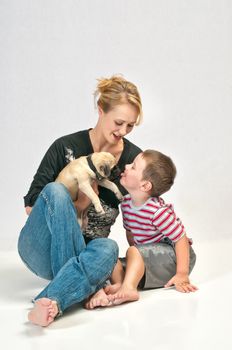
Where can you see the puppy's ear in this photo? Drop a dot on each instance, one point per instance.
(105, 169)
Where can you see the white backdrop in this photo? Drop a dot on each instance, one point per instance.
(179, 55)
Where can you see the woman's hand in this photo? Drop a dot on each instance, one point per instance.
(182, 283)
(28, 210)
(83, 202)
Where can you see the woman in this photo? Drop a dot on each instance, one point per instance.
(51, 243)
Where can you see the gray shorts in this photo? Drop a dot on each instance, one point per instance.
(160, 263)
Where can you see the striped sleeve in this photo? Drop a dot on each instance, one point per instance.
(125, 225)
(166, 221)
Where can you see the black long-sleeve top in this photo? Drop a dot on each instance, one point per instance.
(59, 154)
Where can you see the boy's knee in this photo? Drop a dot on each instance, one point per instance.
(132, 250)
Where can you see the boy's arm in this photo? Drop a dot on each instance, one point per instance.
(130, 238)
(181, 278)
(182, 256)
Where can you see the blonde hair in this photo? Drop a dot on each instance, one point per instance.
(116, 90)
(160, 171)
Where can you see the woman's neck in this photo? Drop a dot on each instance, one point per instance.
(100, 144)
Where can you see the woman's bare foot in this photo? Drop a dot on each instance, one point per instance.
(112, 288)
(124, 295)
(98, 299)
(44, 312)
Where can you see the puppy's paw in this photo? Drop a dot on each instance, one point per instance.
(119, 196)
(99, 209)
(102, 212)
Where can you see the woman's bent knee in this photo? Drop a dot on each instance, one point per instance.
(106, 247)
(110, 246)
(56, 193)
(55, 188)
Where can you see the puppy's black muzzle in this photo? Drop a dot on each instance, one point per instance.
(115, 173)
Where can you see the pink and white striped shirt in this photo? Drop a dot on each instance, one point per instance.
(152, 221)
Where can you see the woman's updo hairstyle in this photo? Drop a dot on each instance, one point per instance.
(114, 91)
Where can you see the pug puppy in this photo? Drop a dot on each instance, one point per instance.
(80, 173)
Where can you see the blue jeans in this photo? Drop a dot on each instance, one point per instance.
(52, 246)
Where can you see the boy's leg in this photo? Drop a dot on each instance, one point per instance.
(100, 298)
(134, 272)
(116, 279)
(118, 273)
(160, 263)
(134, 268)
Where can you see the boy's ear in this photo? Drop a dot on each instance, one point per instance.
(146, 186)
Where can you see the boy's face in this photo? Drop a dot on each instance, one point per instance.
(132, 177)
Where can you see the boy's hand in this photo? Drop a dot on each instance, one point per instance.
(181, 283)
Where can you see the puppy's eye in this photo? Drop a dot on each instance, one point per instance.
(105, 169)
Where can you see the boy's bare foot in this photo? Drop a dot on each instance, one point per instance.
(112, 288)
(98, 299)
(44, 312)
(124, 295)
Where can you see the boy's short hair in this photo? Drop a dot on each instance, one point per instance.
(160, 171)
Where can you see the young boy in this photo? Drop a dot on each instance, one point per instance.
(160, 254)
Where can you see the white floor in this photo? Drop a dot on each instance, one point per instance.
(161, 319)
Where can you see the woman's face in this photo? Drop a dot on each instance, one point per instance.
(118, 122)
